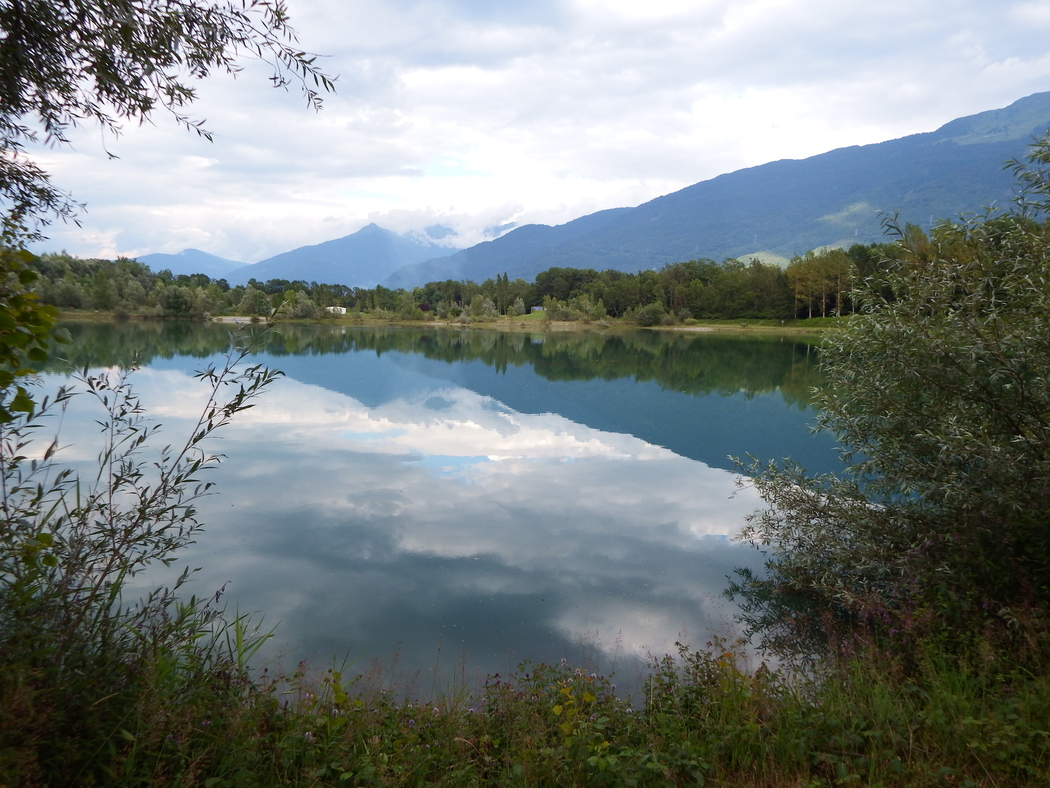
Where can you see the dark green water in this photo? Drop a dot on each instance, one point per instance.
(439, 498)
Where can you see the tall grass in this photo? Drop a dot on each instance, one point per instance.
(706, 718)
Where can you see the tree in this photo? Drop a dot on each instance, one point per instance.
(254, 302)
(818, 281)
(110, 61)
(938, 393)
(408, 309)
(25, 328)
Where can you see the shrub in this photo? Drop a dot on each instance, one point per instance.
(650, 315)
(938, 393)
(83, 666)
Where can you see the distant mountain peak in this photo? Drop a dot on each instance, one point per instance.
(361, 259)
(191, 261)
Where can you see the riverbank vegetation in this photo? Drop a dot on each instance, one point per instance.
(937, 392)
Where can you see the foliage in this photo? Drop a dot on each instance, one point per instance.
(77, 651)
(25, 325)
(938, 394)
(701, 289)
(650, 315)
(706, 717)
(297, 305)
(109, 61)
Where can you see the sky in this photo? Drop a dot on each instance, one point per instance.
(481, 115)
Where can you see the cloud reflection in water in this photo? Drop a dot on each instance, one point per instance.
(444, 523)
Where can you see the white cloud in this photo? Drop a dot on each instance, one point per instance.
(477, 114)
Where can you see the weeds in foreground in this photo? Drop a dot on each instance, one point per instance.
(706, 719)
(78, 659)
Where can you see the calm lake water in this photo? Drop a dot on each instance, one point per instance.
(426, 500)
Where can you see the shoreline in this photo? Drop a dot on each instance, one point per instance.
(503, 324)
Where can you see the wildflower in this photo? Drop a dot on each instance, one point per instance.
(309, 736)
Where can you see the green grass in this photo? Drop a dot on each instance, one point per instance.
(704, 719)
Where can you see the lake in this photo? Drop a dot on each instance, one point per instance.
(435, 503)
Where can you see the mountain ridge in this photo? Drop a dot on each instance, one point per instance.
(777, 209)
(788, 206)
(191, 261)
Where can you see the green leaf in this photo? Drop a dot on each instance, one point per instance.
(22, 402)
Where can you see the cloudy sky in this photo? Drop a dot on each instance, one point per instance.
(478, 114)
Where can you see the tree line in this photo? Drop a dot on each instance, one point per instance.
(725, 365)
(816, 284)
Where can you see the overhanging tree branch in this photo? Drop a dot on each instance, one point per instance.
(68, 62)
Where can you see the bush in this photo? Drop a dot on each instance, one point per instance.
(650, 315)
(83, 667)
(938, 393)
(301, 307)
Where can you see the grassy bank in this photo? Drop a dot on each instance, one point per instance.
(705, 719)
(539, 321)
(536, 321)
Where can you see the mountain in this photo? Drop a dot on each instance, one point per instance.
(783, 208)
(360, 260)
(191, 261)
(532, 241)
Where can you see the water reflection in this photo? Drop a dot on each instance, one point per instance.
(653, 385)
(388, 502)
